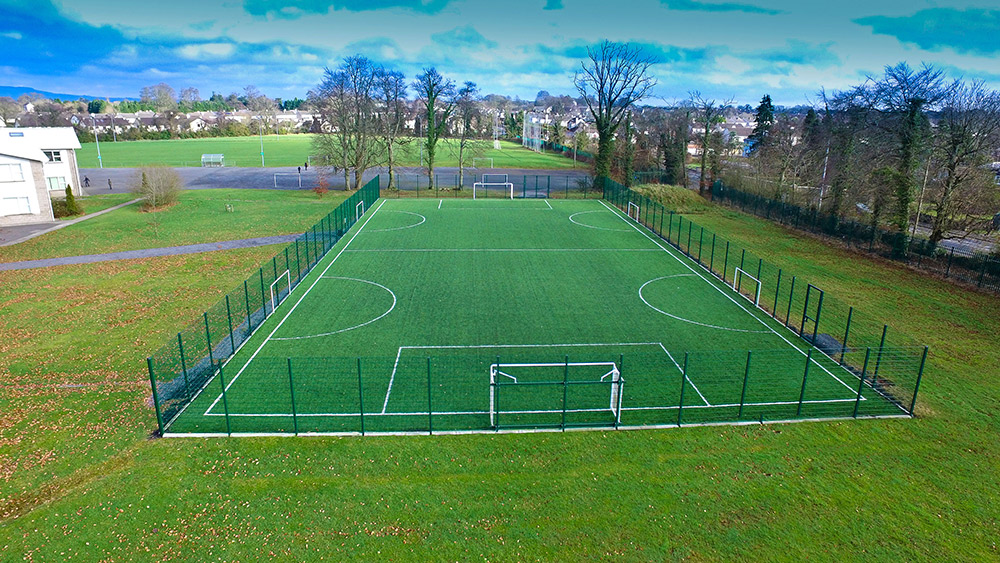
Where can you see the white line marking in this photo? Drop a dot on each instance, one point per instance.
(706, 325)
(505, 250)
(290, 311)
(393, 306)
(618, 213)
(392, 378)
(680, 369)
(421, 222)
(439, 203)
(571, 220)
(547, 203)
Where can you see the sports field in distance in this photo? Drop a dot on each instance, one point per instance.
(294, 150)
(459, 314)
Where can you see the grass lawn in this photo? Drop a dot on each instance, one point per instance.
(200, 216)
(292, 150)
(78, 478)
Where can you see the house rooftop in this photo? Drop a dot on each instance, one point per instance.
(39, 137)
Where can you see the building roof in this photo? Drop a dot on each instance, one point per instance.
(24, 153)
(40, 138)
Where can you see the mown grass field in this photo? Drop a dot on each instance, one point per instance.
(199, 216)
(294, 150)
(79, 479)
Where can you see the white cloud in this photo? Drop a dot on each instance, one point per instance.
(206, 50)
(11, 35)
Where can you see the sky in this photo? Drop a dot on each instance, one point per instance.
(739, 50)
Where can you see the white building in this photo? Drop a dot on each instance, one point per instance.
(36, 163)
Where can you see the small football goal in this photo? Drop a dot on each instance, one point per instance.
(494, 182)
(633, 211)
(287, 180)
(747, 286)
(482, 162)
(552, 394)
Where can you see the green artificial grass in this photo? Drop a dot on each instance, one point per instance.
(199, 216)
(294, 150)
(79, 480)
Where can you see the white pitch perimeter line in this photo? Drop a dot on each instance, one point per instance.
(724, 294)
(547, 203)
(680, 369)
(290, 311)
(440, 202)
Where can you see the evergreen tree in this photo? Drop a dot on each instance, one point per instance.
(765, 120)
(72, 207)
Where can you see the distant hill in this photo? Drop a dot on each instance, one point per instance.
(16, 91)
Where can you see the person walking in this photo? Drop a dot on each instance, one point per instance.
(86, 182)
(300, 170)
(110, 187)
(307, 165)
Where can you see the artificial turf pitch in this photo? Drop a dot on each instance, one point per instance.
(396, 330)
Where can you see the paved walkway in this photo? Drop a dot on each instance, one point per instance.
(20, 233)
(148, 252)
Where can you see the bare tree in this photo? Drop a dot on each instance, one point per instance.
(390, 91)
(162, 96)
(709, 113)
(614, 78)
(437, 95)
(264, 109)
(9, 109)
(467, 107)
(968, 131)
(346, 103)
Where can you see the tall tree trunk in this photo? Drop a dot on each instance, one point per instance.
(602, 164)
(392, 165)
(703, 181)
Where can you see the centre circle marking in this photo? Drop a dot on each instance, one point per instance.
(393, 306)
(418, 223)
(592, 226)
(682, 319)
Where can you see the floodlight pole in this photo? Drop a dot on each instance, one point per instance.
(100, 163)
(260, 124)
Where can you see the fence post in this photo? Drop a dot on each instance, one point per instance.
(916, 386)
(225, 401)
(663, 212)
(430, 409)
(982, 271)
(847, 331)
(777, 288)
(562, 425)
(246, 299)
(288, 266)
(878, 358)
(298, 261)
(208, 339)
(725, 263)
(229, 315)
(950, 256)
(156, 396)
(791, 293)
(701, 241)
(263, 298)
(184, 369)
(711, 260)
(743, 257)
(670, 226)
(690, 228)
(274, 266)
(760, 266)
(861, 383)
(291, 390)
(819, 313)
(743, 393)
(621, 378)
(680, 405)
(805, 375)
(361, 400)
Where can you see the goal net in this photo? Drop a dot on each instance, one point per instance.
(531, 137)
(555, 394)
(287, 180)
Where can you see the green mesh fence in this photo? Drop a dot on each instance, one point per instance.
(182, 367)
(855, 366)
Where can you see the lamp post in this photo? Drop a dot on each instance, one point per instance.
(261, 125)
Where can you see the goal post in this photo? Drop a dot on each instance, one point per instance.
(508, 189)
(741, 277)
(276, 288)
(484, 160)
(359, 210)
(633, 211)
(606, 398)
(296, 179)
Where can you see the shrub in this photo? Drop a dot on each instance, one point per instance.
(72, 207)
(158, 186)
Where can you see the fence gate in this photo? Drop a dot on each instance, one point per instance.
(811, 314)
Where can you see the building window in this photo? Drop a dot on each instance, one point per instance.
(11, 173)
(56, 183)
(53, 156)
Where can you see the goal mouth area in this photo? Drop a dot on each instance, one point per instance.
(548, 394)
(484, 187)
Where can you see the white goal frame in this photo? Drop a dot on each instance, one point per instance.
(482, 158)
(359, 210)
(276, 174)
(274, 296)
(738, 276)
(485, 186)
(617, 383)
(632, 206)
